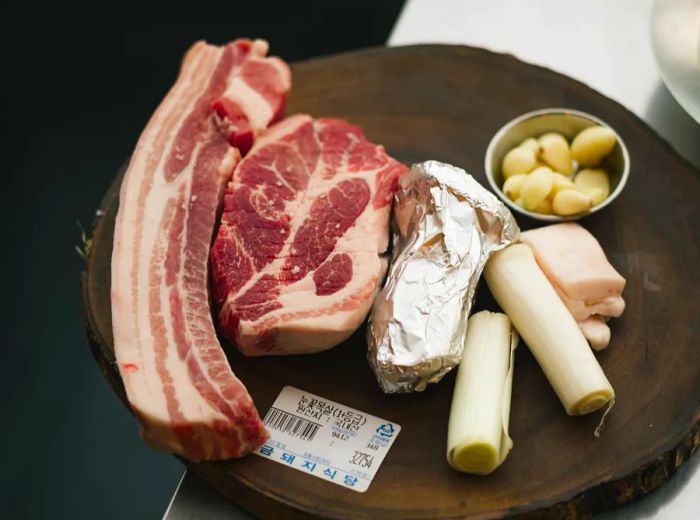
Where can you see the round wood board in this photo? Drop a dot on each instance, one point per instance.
(445, 103)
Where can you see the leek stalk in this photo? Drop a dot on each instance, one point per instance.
(477, 438)
(545, 324)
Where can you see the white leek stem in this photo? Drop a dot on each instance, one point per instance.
(477, 437)
(523, 291)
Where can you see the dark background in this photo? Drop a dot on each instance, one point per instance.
(79, 81)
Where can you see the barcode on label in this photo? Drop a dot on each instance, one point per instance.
(291, 424)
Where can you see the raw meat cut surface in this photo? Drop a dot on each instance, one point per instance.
(299, 254)
(176, 376)
(576, 266)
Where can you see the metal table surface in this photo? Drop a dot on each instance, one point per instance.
(601, 43)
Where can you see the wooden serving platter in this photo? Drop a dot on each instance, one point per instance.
(445, 103)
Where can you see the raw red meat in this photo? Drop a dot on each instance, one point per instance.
(299, 254)
(176, 376)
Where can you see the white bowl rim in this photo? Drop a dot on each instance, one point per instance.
(554, 111)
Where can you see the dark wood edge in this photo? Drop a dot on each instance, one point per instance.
(619, 489)
(476, 51)
(256, 502)
(596, 499)
(103, 357)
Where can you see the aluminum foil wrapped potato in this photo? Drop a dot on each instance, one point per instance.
(445, 227)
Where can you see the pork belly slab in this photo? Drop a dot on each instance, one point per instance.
(300, 251)
(587, 283)
(177, 379)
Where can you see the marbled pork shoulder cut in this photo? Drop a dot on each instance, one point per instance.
(177, 379)
(299, 253)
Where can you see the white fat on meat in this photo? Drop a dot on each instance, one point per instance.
(596, 331)
(576, 265)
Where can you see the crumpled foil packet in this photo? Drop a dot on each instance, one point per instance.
(445, 227)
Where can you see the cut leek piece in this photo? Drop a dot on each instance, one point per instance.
(551, 333)
(477, 434)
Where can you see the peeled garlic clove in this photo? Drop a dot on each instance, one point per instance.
(592, 144)
(561, 182)
(554, 150)
(512, 186)
(531, 144)
(597, 196)
(544, 207)
(594, 183)
(571, 202)
(536, 187)
(518, 160)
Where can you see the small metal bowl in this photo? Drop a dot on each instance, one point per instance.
(568, 123)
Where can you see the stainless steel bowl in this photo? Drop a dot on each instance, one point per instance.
(568, 123)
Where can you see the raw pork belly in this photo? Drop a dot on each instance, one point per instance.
(176, 376)
(298, 257)
(588, 285)
(596, 331)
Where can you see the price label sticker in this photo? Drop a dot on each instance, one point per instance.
(326, 439)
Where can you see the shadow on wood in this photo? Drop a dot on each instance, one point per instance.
(445, 103)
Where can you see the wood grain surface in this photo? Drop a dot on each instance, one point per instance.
(445, 103)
